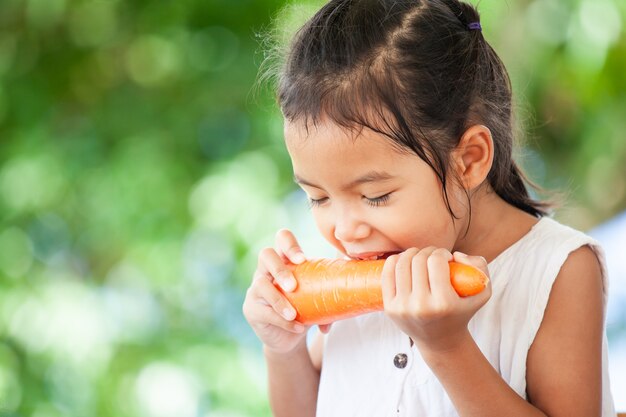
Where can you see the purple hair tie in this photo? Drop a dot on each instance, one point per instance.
(474, 26)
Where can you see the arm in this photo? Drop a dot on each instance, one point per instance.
(563, 364)
(564, 361)
(293, 381)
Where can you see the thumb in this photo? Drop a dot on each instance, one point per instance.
(475, 261)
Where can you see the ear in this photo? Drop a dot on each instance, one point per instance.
(473, 156)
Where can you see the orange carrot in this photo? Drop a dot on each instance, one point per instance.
(333, 289)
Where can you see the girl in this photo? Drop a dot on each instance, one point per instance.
(398, 124)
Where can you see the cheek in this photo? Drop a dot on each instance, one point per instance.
(324, 223)
(424, 222)
(459, 203)
(422, 234)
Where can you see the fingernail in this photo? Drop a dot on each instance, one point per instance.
(299, 258)
(289, 284)
(289, 314)
(460, 254)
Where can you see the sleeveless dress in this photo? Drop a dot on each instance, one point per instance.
(369, 367)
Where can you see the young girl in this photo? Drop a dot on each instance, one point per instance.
(398, 123)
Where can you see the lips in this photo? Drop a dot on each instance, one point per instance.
(369, 256)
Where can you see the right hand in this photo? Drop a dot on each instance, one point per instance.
(268, 312)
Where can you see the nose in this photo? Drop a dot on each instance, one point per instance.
(349, 227)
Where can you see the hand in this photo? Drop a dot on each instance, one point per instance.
(268, 312)
(419, 298)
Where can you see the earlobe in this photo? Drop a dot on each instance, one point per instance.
(474, 156)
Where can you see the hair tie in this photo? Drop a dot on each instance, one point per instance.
(474, 26)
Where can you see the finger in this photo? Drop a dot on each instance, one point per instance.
(261, 274)
(267, 293)
(476, 261)
(419, 273)
(274, 266)
(439, 274)
(403, 272)
(388, 279)
(263, 316)
(259, 313)
(288, 247)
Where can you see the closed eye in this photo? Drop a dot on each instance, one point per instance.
(317, 202)
(374, 202)
(378, 201)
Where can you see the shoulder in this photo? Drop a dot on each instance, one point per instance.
(551, 249)
(555, 276)
(551, 232)
(576, 256)
(579, 281)
(582, 265)
(564, 361)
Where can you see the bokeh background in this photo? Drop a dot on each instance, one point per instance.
(141, 171)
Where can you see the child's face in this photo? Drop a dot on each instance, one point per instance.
(368, 199)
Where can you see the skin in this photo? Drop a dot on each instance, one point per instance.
(564, 362)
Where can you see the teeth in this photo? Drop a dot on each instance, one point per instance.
(372, 258)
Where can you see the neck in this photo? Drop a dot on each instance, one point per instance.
(495, 225)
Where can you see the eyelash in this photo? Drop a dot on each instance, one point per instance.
(374, 202)
(378, 201)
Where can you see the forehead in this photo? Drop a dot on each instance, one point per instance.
(329, 152)
(328, 139)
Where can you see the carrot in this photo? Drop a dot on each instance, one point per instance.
(334, 289)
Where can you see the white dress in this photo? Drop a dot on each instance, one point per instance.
(362, 373)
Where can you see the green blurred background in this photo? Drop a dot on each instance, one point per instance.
(141, 171)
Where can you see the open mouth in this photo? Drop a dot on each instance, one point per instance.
(371, 256)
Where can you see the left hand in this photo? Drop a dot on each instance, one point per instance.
(419, 298)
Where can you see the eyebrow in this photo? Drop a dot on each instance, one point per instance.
(372, 176)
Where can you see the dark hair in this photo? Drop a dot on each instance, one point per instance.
(416, 71)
